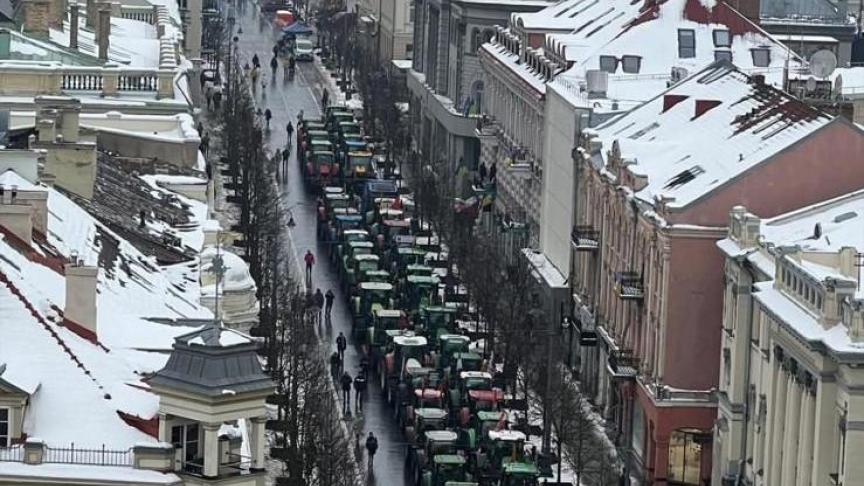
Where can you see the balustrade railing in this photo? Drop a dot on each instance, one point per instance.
(82, 81)
(12, 454)
(137, 81)
(142, 14)
(93, 457)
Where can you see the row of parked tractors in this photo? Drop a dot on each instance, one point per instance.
(409, 314)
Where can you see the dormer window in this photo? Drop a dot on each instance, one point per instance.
(631, 64)
(722, 55)
(722, 38)
(686, 43)
(609, 64)
(761, 57)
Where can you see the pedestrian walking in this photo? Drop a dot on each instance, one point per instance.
(203, 79)
(335, 365)
(274, 64)
(492, 171)
(371, 448)
(267, 116)
(309, 258)
(482, 172)
(208, 94)
(290, 129)
(286, 155)
(263, 89)
(255, 61)
(318, 300)
(205, 144)
(275, 50)
(217, 97)
(346, 391)
(325, 97)
(200, 128)
(359, 391)
(329, 297)
(341, 345)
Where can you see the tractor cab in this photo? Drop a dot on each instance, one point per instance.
(335, 201)
(423, 420)
(350, 250)
(466, 361)
(347, 128)
(320, 167)
(429, 244)
(438, 320)
(428, 397)
(409, 255)
(310, 136)
(338, 116)
(348, 146)
(474, 394)
(358, 165)
(450, 345)
(419, 291)
(418, 269)
(505, 446)
(384, 321)
(376, 189)
(485, 421)
(344, 229)
(370, 296)
(357, 268)
(484, 399)
(405, 349)
(519, 473)
(307, 125)
(446, 469)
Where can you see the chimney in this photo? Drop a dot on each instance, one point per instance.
(80, 312)
(103, 33)
(36, 16)
(73, 26)
(15, 217)
(704, 105)
(671, 100)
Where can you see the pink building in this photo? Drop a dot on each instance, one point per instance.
(654, 189)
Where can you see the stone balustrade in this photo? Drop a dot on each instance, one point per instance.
(140, 13)
(52, 78)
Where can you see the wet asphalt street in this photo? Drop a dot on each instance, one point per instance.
(285, 99)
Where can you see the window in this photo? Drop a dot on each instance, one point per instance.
(722, 38)
(475, 39)
(631, 64)
(411, 12)
(686, 43)
(4, 427)
(185, 438)
(761, 57)
(609, 64)
(409, 47)
(637, 436)
(685, 456)
(723, 55)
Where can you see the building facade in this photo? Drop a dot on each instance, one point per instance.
(446, 80)
(789, 407)
(646, 285)
(388, 28)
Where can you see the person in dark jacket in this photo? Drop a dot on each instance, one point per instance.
(371, 447)
(335, 365)
(359, 391)
(255, 61)
(329, 297)
(341, 345)
(346, 392)
(318, 300)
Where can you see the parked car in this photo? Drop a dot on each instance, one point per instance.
(303, 49)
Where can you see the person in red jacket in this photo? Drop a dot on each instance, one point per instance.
(310, 261)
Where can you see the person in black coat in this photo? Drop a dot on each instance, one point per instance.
(359, 391)
(346, 391)
(371, 447)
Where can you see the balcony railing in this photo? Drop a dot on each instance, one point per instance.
(12, 454)
(585, 238)
(624, 364)
(139, 13)
(49, 78)
(233, 466)
(92, 457)
(629, 285)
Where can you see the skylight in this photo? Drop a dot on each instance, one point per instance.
(684, 177)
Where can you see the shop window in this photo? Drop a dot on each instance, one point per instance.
(685, 457)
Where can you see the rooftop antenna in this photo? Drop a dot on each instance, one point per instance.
(822, 63)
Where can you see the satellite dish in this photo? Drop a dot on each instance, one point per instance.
(811, 84)
(823, 63)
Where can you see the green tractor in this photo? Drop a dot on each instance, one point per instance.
(349, 251)
(346, 230)
(408, 255)
(370, 296)
(436, 442)
(356, 268)
(404, 350)
(519, 473)
(447, 469)
(422, 420)
(384, 321)
(450, 345)
(438, 320)
(417, 292)
(474, 394)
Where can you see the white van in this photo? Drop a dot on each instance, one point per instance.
(303, 49)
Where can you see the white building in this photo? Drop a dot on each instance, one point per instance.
(599, 60)
(446, 80)
(389, 28)
(790, 411)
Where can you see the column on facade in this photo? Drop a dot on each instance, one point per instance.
(790, 436)
(164, 430)
(258, 442)
(778, 409)
(824, 431)
(805, 445)
(211, 450)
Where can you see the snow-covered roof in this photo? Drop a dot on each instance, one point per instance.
(664, 139)
(95, 383)
(133, 43)
(64, 473)
(581, 31)
(840, 222)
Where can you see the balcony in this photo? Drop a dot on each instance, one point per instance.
(585, 238)
(623, 364)
(629, 286)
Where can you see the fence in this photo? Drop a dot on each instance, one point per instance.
(93, 457)
(12, 454)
